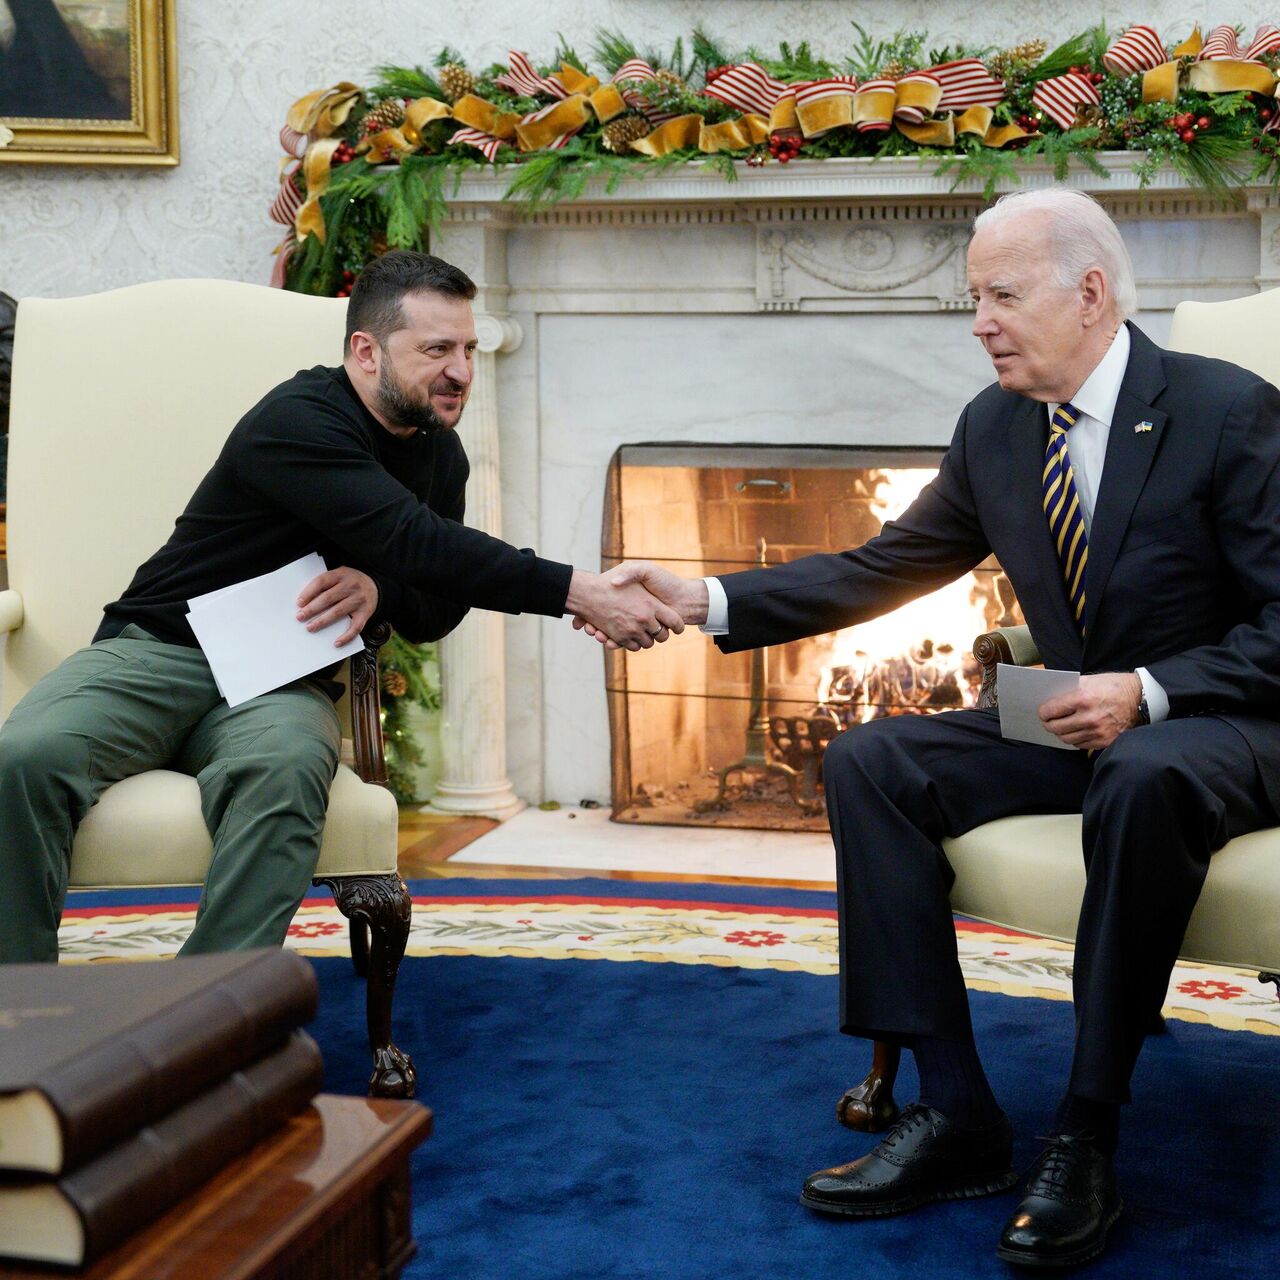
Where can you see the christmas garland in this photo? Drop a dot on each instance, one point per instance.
(410, 675)
(371, 168)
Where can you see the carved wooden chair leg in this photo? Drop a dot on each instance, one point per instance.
(870, 1106)
(382, 904)
(359, 932)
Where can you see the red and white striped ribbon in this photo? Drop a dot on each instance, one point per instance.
(638, 69)
(1060, 97)
(808, 91)
(876, 86)
(914, 115)
(294, 143)
(524, 80)
(288, 201)
(1222, 43)
(1139, 49)
(283, 254)
(967, 83)
(484, 142)
(747, 87)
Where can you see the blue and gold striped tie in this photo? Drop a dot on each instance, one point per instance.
(1062, 507)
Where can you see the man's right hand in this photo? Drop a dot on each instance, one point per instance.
(687, 596)
(622, 613)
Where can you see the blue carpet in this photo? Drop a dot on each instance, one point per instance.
(637, 1121)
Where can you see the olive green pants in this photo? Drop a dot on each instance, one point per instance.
(130, 704)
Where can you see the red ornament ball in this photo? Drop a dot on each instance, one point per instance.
(1188, 135)
(1203, 123)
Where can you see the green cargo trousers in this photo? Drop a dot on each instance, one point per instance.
(133, 703)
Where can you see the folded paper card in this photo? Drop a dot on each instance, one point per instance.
(1023, 691)
(251, 635)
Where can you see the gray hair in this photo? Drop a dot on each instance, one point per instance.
(1083, 237)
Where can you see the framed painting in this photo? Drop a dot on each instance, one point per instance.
(88, 82)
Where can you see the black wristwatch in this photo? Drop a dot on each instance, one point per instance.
(1144, 711)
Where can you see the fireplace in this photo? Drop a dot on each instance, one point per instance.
(707, 739)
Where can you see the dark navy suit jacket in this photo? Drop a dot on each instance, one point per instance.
(1184, 549)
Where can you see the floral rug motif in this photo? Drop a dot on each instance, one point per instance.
(551, 926)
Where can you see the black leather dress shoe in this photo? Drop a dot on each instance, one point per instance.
(924, 1157)
(1070, 1204)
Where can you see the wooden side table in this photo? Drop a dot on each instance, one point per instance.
(327, 1197)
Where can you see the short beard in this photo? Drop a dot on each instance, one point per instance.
(400, 409)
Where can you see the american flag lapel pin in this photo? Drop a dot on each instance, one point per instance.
(1140, 427)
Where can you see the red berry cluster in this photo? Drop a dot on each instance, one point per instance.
(348, 279)
(1186, 125)
(1093, 77)
(784, 148)
(1028, 122)
(344, 153)
(714, 73)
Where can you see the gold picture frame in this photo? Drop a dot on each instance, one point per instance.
(88, 82)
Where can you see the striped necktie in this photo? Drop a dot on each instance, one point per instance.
(1062, 507)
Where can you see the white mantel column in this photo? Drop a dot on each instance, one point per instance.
(473, 728)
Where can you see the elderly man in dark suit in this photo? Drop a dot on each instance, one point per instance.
(1132, 495)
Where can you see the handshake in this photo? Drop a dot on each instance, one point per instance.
(635, 605)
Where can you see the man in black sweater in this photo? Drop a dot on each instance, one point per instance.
(359, 463)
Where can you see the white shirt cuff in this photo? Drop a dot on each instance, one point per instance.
(1157, 699)
(717, 623)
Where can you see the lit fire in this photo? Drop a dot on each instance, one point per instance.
(914, 655)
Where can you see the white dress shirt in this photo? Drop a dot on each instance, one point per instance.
(1087, 447)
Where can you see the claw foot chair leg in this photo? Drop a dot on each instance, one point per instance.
(380, 905)
(870, 1106)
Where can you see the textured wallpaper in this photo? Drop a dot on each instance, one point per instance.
(242, 62)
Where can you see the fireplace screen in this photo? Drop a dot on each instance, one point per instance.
(701, 738)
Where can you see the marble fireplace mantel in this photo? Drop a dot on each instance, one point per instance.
(809, 302)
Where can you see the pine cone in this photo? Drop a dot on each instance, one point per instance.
(455, 81)
(619, 134)
(668, 78)
(394, 683)
(1031, 52)
(386, 115)
(891, 71)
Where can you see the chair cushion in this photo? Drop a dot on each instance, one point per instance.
(148, 830)
(1027, 872)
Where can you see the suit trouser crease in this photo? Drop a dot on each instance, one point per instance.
(1155, 806)
(131, 704)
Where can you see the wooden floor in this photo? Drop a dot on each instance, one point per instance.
(428, 840)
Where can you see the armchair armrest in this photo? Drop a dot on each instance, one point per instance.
(1012, 645)
(11, 612)
(366, 706)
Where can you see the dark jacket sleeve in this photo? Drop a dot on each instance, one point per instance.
(936, 540)
(1241, 672)
(418, 615)
(309, 459)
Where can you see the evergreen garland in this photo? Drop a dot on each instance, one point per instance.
(1218, 142)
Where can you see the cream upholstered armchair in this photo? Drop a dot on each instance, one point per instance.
(120, 403)
(1027, 872)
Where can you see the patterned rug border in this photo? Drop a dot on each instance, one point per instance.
(662, 930)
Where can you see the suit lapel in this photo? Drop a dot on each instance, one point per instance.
(1130, 453)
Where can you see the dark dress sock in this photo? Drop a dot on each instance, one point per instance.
(952, 1081)
(1096, 1122)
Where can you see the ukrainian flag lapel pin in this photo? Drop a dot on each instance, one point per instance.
(1140, 427)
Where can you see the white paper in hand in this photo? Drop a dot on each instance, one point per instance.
(252, 638)
(1023, 691)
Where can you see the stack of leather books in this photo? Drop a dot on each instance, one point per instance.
(124, 1087)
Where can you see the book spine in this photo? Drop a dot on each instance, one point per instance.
(104, 1096)
(135, 1182)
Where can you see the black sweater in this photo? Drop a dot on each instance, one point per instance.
(308, 468)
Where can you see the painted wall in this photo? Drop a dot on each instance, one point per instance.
(242, 62)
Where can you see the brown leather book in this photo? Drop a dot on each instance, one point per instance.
(89, 1054)
(77, 1217)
